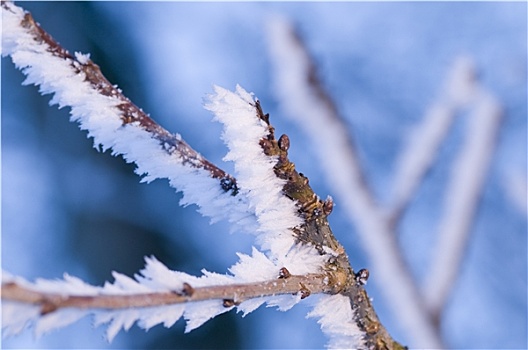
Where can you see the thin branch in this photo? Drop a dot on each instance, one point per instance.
(306, 103)
(424, 142)
(315, 229)
(130, 114)
(232, 294)
(461, 199)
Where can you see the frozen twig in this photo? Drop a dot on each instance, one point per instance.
(156, 295)
(290, 220)
(461, 199)
(304, 98)
(305, 101)
(424, 142)
(113, 120)
(230, 294)
(357, 327)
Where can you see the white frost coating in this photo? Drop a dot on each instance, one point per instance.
(120, 319)
(425, 139)
(155, 277)
(248, 306)
(152, 316)
(16, 317)
(284, 302)
(262, 268)
(125, 285)
(335, 316)
(303, 103)
(253, 169)
(82, 58)
(196, 314)
(56, 320)
(464, 189)
(276, 214)
(99, 115)
(68, 285)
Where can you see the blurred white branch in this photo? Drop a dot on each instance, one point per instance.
(423, 143)
(305, 102)
(461, 199)
(516, 186)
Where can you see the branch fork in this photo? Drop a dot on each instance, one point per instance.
(306, 232)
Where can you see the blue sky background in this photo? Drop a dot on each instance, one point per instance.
(68, 208)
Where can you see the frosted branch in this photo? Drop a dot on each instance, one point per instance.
(243, 130)
(306, 103)
(461, 199)
(229, 294)
(113, 120)
(270, 198)
(309, 215)
(157, 295)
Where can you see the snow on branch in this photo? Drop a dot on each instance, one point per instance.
(269, 198)
(259, 175)
(276, 214)
(156, 295)
(113, 120)
(281, 198)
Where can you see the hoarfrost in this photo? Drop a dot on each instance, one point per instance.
(83, 58)
(335, 316)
